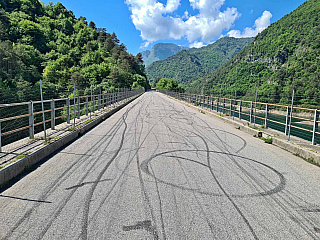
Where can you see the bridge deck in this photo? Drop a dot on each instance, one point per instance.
(160, 170)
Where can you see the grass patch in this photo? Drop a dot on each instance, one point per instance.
(267, 140)
(21, 156)
(203, 112)
(238, 127)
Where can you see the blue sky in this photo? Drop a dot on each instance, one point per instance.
(140, 24)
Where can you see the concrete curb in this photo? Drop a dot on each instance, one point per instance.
(284, 144)
(13, 170)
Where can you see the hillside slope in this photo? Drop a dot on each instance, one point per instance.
(283, 57)
(47, 42)
(196, 62)
(160, 51)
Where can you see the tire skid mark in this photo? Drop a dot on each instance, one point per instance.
(59, 180)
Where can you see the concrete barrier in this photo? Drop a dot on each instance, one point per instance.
(13, 170)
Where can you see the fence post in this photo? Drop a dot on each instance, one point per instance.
(230, 107)
(291, 115)
(87, 105)
(68, 111)
(31, 121)
(315, 127)
(99, 98)
(43, 117)
(240, 109)
(78, 107)
(287, 121)
(53, 115)
(0, 137)
(267, 115)
(251, 111)
(224, 106)
(255, 108)
(218, 104)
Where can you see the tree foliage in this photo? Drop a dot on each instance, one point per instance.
(47, 42)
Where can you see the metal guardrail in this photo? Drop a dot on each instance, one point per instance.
(287, 119)
(83, 105)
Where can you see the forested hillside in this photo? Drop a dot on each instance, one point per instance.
(160, 51)
(196, 62)
(283, 57)
(49, 43)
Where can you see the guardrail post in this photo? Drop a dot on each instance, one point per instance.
(287, 121)
(240, 109)
(0, 136)
(53, 115)
(68, 111)
(99, 101)
(93, 103)
(78, 107)
(230, 107)
(87, 105)
(224, 106)
(267, 115)
(218, 104)
(315, 127)
(251, 111)
(31, 121)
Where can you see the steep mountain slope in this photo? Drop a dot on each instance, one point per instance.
(192, 63)
(160, 51)
(283, 57)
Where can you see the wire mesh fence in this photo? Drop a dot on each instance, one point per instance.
(288, 116)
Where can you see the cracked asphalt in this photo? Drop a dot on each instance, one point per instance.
(160, 170)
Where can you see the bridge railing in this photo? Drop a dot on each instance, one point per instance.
(25, 119)
(291, 120)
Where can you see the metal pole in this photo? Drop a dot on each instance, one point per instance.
(53, 115)
(43, 117)
(91, 102)
(251, 111)
(240, 110)
(0, 137)
(31, 121)
(86, 105)
(267, 115)
(78, 107)
(287, 121)
(235, 103)
(68, 111)
(290, 121)
(74, 104)
(255, 108)
(315, 127)
(224, 106)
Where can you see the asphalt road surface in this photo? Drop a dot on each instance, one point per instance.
(160, 170)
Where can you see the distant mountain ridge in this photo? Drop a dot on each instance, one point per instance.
(196, 62)
(160, 51)
(283, 57)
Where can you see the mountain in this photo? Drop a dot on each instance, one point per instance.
(283, 57)
(48, 42)
(196, 62)
(160, 51)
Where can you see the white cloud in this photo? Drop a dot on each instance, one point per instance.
(153, 20)
(196, 44)
(260, 24)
